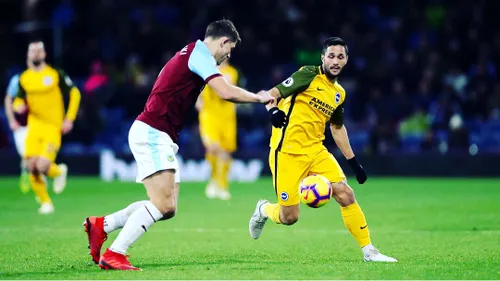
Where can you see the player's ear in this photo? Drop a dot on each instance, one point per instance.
(322, 58)
(224, 40)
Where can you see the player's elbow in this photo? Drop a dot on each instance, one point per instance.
(336, 129)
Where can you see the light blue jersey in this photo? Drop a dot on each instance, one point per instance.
(202, 62)
(13, 87)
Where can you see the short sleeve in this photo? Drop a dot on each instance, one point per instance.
(13, 87)
(202, 63)
(298, 82)
(338, 115)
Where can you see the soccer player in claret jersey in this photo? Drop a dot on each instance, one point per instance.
(311, 98)
(153, 137)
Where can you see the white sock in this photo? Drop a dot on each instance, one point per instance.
(261, 210)
(366, 249)
(136, 225)
(118, 219)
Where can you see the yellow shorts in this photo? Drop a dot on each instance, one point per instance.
(43, 142)
(218, 131)
(289, 170)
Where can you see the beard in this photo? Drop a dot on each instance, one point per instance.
(330, 75)
(36, 63)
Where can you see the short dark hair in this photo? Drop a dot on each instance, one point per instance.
(333, 41)
(221, 28)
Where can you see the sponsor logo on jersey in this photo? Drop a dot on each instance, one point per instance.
(322, 106)
(47, 80)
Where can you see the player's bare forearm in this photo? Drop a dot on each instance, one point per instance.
(239, 95)
(339, 133)
(233, 93)
(8, 108)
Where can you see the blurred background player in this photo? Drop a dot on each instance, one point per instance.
(218, 133)
(311, 99)
(17, 123)
(46, 91)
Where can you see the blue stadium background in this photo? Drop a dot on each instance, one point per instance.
(422, 76)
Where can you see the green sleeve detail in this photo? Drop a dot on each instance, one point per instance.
(338, 115)
(21, 93)
(298, 82)
(65, 82)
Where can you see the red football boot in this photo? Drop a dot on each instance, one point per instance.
(94, 226)
(112, 260)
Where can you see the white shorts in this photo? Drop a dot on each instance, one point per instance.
(19, 139)
(153, 151)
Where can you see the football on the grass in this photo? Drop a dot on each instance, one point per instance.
(315, 191)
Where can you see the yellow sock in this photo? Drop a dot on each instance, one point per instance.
(38, 186)
(355, 221)
(273, 212)
(212, 160)
(223, 165)
(54, 170)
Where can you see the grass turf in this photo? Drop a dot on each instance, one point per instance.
(437, 228)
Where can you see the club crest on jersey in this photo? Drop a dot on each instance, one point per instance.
(170, 158)
(284, 196)
(288, 82)
(337, 97)
(47, 80)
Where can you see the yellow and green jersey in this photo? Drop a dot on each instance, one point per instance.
(50, 95)
(311, 101)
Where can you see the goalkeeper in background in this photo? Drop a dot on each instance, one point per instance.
(47, 91)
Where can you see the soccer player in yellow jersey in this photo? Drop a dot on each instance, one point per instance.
(311, 99)
(45, 90)
(218, 133)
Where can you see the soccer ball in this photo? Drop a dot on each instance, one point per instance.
(315, 191)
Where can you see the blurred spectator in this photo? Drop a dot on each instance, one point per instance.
(414, 66)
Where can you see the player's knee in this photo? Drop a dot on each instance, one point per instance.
(289, 218)
(31, 165)
(343, 193)
(213, 148)
(42, 166)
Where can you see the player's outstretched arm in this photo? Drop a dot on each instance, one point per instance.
(236, 94)
(339, 134)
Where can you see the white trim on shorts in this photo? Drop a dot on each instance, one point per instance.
(153, 151)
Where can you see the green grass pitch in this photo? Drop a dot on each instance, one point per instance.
(437, 228)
